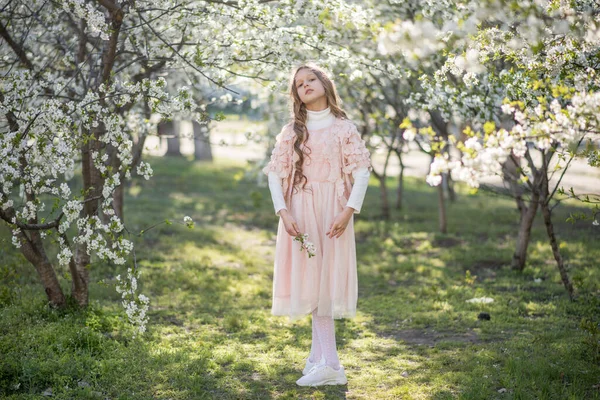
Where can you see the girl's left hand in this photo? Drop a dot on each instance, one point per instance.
(338, 226)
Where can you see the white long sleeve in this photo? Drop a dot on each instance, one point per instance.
(357, 196)
(359, 188)
(276, 192)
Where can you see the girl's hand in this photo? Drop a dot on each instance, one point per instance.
(291, 226)
(338, 226)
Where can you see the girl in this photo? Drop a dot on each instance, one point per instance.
(318, 175)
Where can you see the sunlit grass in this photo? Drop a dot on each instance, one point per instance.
(211, 333)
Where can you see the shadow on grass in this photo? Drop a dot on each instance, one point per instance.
(212, 336)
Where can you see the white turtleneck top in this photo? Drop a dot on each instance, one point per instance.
(318, 120)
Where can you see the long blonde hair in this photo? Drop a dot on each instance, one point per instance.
(299, 114)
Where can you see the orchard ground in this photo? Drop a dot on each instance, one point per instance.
(211, 334)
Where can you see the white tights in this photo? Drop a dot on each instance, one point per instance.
(323, 341)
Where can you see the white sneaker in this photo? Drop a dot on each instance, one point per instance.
(323, 374)
(311, 365)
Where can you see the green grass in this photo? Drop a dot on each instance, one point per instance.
(211, 334)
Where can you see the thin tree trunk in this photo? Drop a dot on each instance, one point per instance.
(92, 185)
(547, 213)
(34, 252)
(555, 249)
(449, 186)
(400, 188)
(442, 209)
(118, 201)
(168, 128)
(117, 196)
(202, 147)
(385, 204)
(526, 222)
(32, 248)
(119, 193)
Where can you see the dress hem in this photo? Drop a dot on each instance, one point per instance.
(279, 312)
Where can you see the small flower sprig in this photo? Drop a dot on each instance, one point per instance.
(136, 305)
(305, 244)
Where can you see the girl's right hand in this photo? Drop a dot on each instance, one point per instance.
(290, 224)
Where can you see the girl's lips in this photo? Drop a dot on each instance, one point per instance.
(309, 91)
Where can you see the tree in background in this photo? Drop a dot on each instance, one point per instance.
(535, 63)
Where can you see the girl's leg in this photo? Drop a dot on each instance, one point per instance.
(315, 347)
(326, 335)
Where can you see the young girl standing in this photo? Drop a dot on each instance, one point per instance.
(318, 176)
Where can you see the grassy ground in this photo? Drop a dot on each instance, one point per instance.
(211, 334)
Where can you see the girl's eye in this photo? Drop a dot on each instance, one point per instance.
(310, 80)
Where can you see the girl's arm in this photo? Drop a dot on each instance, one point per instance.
(359, 188)
(291, 226)
(276, 192)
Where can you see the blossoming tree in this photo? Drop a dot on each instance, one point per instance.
(522, 78)
(80, 81)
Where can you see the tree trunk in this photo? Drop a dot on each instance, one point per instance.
(511, 173)
(442, 209)
(119, 190)
(400, 188)
(168, 128)
(449, 186)
(385, 205)
(527, 216)
(92, 185)
(119, 193)
(34, 252)
(118, 201)
(32, 248)
(555, 250)
(202, 147)
(547, 213)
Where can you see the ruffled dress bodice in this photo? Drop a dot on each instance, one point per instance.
(316, 166)
(339, 145)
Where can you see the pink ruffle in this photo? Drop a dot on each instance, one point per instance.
(347, 152)
(354, 150)
(281, 158)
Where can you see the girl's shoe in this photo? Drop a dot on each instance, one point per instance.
(310, 365)
(323, 374)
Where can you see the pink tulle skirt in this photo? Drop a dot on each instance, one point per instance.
(327, 281)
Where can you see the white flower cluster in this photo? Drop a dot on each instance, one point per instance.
(188, 221)
(71, 211)
(94, 18)
(90, 233)
(15, 239)
(136, 305)
(306, 245)
(145, 170)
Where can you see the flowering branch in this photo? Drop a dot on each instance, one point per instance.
(305, 244)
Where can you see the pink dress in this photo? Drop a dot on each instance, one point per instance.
(328, 280)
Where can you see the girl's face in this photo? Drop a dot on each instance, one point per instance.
(309, 87)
